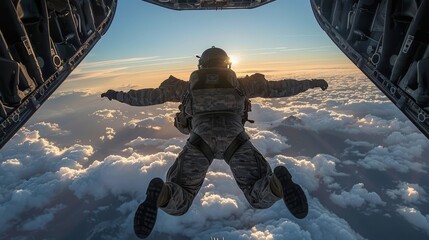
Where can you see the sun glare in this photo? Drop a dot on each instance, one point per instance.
(234, 59)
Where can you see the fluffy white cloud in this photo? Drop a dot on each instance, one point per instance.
(47, 128)
(154, 122)
(408, 192)
(107, 113)
(212, 202)
(80, 93)
(415, 217)
(326, 168)
(117, 175)
(267, 141)
(369, 107)
(263, 111)
(29, 177)
(38, 156)
(398, 153)
(110, 134)
(31, 194)
(357, 197)
(169, 145)
(357, 148)
(324, 119)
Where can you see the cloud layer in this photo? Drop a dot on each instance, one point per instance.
(357, 197)
(330, 141)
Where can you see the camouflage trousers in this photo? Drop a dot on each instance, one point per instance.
(251, 172)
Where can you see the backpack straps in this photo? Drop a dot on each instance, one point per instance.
(235, 144)
(201, 145)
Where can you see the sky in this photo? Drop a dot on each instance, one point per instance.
(146, 43)
(80, 166)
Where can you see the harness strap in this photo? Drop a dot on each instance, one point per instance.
(235, 144)
(199, 143)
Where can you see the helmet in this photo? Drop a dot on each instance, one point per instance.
(214, 57)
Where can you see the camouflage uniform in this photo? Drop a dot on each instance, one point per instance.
(251, 171)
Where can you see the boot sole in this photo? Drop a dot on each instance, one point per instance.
(145, 216)
(293, 195)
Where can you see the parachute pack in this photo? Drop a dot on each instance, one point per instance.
(212, 90)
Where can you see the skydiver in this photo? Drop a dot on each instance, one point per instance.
(214, 107)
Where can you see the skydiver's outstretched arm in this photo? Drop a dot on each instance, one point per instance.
(257, 86)
(171, 90)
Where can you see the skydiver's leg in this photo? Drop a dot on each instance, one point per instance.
(184, 180)
(293, 195)
(145, 216)
(253, 175)
(261, 187)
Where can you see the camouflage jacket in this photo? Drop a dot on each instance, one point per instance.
(173, 89)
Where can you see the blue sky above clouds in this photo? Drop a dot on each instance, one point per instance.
(146, 43)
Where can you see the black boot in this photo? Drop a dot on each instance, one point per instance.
(145, 217)
(293, 195)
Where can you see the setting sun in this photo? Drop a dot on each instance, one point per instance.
(234, 59)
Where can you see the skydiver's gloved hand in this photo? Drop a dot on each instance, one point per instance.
(319, 83)
(110, 94)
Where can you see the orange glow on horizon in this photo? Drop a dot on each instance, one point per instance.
(139, 76)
